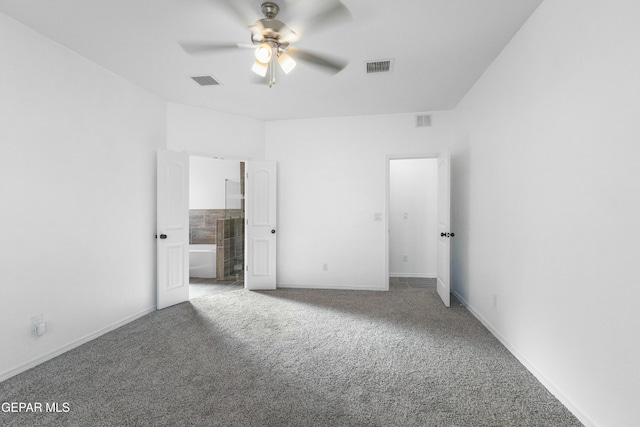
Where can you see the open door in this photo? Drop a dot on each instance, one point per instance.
(444, 224)
(260, 229)
(173, 228)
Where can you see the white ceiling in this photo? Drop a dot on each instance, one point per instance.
(440, 48)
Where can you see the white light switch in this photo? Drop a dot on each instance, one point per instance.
(377, 216)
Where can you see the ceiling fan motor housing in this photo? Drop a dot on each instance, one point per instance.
(270, 9)
(271, 30)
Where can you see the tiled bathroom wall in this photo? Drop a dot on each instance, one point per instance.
(225, 229)
(203, 224)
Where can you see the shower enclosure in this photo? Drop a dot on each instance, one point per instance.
(230, 233)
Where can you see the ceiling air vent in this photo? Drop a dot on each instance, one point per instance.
(206, 81)
(423, 121)
(383, 66)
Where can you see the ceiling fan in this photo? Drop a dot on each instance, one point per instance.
(272, 40)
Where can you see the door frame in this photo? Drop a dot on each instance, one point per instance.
(388, 159)
(244, 160)
(234, 161)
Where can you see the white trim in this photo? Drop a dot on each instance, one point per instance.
(38, 360)
(387, 202)
(431, 275)
(213, 156)
(548, 384)
(335, 287)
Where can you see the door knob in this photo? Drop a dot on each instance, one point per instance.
(273, 231)
(163, 236)
(443, 235)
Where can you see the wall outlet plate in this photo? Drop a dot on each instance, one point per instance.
(38, 325)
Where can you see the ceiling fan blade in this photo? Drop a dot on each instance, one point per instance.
(334, 14)
(241, 11)
(257, 29)
(200, 48)
(332, 65)
(287, 35)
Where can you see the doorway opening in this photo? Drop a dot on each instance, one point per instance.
(216, 225)
(413, 222)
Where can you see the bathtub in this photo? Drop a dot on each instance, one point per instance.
(202, 261)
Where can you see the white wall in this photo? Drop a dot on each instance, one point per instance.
(77, 183)
(413, 217)
(546, 190)
(331, 183)
(205, 132)
(207, 178)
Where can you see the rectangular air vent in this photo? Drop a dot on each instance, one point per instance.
(382, 66)
(423, 121)
(206, 81)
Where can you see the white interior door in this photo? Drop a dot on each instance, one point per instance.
(444, 232)
(260, 228)
(173, 228)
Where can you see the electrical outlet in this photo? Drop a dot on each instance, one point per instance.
(405, 215)
(325, 267)
(405, 258)
(38, 325)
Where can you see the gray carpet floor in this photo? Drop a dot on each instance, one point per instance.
(291, 358)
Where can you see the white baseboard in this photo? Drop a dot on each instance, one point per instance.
(549, 385)
(38, 360)
(414, 275)
(334, 287)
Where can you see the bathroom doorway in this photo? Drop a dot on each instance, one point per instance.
(413, 221)
(216, 225)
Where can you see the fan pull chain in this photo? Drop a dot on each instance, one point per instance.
(272, 68)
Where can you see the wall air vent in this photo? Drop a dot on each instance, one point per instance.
(206, 81)
(382, 66)
(423, 121)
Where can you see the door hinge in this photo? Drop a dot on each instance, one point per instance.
(247, 268)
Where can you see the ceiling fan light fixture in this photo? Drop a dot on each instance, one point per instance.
(286, 62)
(264, 52)
(260, 68)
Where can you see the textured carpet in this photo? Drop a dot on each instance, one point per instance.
(291, 358)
